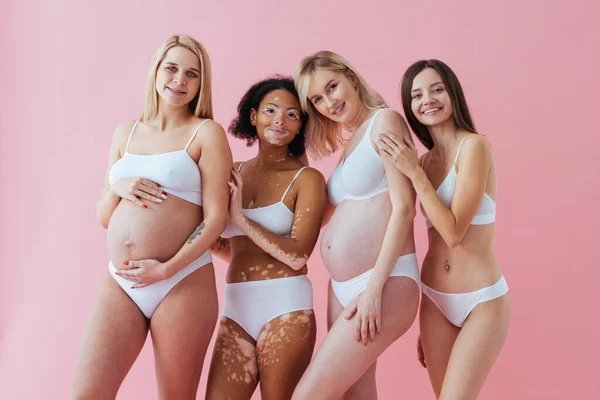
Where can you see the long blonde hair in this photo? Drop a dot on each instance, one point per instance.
(201, 105)
(324, 136)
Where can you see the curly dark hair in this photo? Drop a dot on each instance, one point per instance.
(241, 127)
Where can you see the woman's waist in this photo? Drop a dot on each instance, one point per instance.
(459, 271)
(256, 265)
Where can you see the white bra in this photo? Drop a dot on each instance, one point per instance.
(275, 217)
(361, 175)
(175, 171)
(486, 213)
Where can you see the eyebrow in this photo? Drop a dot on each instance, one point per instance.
(325, 87)
(177, 65)
(289, 108)
(433, 84)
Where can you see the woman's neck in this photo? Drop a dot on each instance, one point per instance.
(169, 117)
(270, 155)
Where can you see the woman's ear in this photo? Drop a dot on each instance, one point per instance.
(253, 116)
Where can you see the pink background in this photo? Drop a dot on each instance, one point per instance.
(72, 71)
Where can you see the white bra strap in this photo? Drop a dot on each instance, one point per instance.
(372, 122)
(292, 182)
(458, 152)
(423, 161)
(194, 135)
(240, 166)
(131, 134)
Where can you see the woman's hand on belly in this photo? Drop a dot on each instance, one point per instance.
(136, 189)
(143, 272)
(367, 310)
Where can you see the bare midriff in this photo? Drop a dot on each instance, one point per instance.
(464, 268)
(156, 232)
(251, 263)
(353, 237)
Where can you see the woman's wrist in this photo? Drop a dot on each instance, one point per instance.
(239, 218)
(418, 177)
(375, 284)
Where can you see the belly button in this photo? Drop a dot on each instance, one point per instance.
(328, 246)
(128, 243)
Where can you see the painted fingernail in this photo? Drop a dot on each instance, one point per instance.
(158, 200)
(126, 262)
(164, 196)
(133, 287)
(145, 206)
(163, 192)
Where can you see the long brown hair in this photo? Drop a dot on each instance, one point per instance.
(460, 111)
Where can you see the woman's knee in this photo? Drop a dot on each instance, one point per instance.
(87, 391)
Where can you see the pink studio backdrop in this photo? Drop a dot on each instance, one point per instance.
(72, 71)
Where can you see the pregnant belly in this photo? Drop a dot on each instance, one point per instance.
(353, 237)
(157, 232)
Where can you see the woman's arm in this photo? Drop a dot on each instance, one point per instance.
(452, 223)
(402, 197)
(310, 205)
(109, 200)
(215, 167)
(475, 163)
(400, 225)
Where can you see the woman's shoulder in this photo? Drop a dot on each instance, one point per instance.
(124, 130)
(475, 142)
(390, 115)
(475, 148)
(209, 133)
(207, 124)
(392, 121)
(126, 127)
(310, 176)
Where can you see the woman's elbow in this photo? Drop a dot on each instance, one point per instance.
(454, 239)
(452, 242)
(296, 263)
(102, 218)
(218, 221)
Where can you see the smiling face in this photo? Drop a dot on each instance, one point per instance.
(277, 119)
(178, 77)
(334, 95)
(430, 101)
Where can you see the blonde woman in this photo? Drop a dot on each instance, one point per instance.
(164, 203)
(465, 310)
(368, 245)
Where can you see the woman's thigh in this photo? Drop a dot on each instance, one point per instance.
(113, 338)
(437, 338)
(181, 329)
(284, 349)
(233, 370)
(476, 349)
(342, 360)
